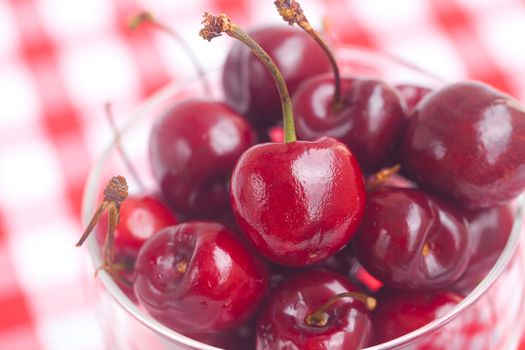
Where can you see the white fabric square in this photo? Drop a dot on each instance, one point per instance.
(99, 71)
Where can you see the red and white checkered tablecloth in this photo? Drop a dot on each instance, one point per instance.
(60, 60)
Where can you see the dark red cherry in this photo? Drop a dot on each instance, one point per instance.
(489, 231)
(369, 120)
(140, 217)
(197, 277)
(466, 142)
(411, 95)
(400, 312)
(250, 89)
(193, 148)
(298, 202)
(410, 240)
(284, 322)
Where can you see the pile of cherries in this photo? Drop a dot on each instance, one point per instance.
(252, 243)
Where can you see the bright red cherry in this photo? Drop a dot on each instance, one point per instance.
(308, 311)
(410, 240)
(141, 216)
(489, 232)
(411, 95)
(297, 202)
(250, 89)
(197, 277)
(466, 142)
(193, 148)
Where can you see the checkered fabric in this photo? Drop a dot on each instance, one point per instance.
(60, 60)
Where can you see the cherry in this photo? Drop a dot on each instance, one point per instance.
(399, 313)
(466, 142)
(369, 122)
(141, 216)
(489, 231)
(411, 95)
(297, 202)
(197, 277)
(193, 148)
(365, 114)
(316, 309)
(411, 240)
(247, 85)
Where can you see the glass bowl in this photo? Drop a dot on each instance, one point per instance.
(491, 317)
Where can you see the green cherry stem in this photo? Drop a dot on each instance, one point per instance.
(214, 26)
(291, 12)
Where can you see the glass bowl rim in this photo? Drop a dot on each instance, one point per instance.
(92, 185)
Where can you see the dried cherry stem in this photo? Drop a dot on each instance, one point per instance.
(114, 270)
(319, 318)
(381, 176)
(214, 26)
(291, 12)
(127, 162)
(115, 193)
(146, 16)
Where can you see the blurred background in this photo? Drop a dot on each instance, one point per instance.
(61, 60)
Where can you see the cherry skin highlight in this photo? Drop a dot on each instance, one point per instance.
(466, 142)
(197, 277)
(283, 325)
(250, 89)
(410, 240)
(298, 202)
(193, 148)
(369, 120)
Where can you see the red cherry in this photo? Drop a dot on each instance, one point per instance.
(411, 95)
(399, 313)
(410, 240)
(298, 202)
(489, 232)
(285, 322)
(369, 120)
(193, 148)
(140, 217)
(250, 89)
(197, 277)
(466, 142)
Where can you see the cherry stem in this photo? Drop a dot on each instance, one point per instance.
(129, 165)
(291, 12)
(146, 16)
(214, 26)
(381, 176)
(115, 193)
(319, 318)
